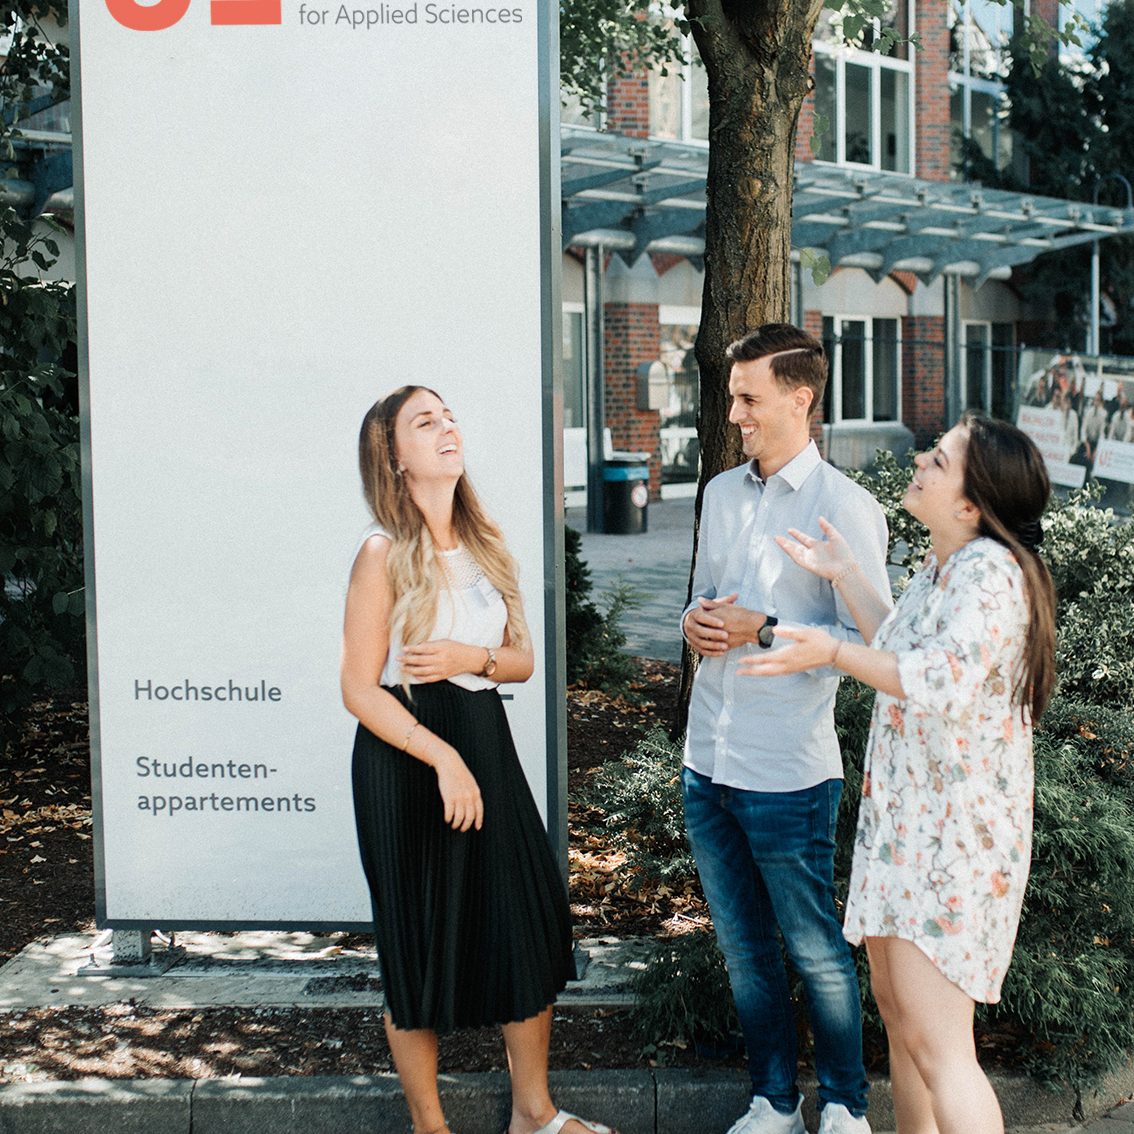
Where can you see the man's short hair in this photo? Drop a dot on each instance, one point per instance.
(798, 358)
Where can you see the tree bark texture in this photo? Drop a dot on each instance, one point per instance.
(757, 56)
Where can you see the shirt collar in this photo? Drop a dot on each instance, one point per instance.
(797, 470)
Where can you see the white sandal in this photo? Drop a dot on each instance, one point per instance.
(561, 1119)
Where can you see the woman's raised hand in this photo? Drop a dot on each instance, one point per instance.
(824, 557)
(460, 794)
(808, 648)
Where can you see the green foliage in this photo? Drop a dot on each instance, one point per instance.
(1069, 993)
(887, 481)
(596, 657)
(41, 596)
(682, 996)
(602, 38)
(1091, 557)
(41, 603)
(1069, 989)
(33, 63)
(815, 261)
(641, 796)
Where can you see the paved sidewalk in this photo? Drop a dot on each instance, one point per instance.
(316, 970)
(637, 1102)
(655, 563)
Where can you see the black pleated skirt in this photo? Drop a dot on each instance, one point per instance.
(472, 928)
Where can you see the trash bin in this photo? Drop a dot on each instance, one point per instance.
(625, 493)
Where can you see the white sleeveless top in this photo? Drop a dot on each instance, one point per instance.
(470, 610)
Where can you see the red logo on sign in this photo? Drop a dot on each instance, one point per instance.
(165, 13)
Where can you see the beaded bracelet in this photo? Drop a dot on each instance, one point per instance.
(843, 574)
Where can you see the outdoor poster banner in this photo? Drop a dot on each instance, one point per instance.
(1079, 409)
(288, 210)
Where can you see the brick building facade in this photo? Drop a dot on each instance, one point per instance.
(889, 338)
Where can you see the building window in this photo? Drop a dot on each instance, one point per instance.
(571, 113)
(979, 60)
(989, 365)
(574, 368)
(574, 404)
(679, 100)
(864, 99)
(865, 378)
(680, 449)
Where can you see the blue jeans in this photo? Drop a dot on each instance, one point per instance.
(766, 859)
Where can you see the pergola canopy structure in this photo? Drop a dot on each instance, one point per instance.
(636, 195)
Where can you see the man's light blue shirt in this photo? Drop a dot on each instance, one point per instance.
(775, 733)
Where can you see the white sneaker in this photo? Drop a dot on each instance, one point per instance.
(763, 1118)
(836, 1119)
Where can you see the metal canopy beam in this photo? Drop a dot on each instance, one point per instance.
(654, 190)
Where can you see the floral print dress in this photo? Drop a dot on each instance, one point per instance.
(943, 846)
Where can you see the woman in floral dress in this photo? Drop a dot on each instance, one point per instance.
(963, 665)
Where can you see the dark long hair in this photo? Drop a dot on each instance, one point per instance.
(1005, 478)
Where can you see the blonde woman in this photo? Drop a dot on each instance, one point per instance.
(470, 912)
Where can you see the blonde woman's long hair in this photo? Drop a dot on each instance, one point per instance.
(416, 576)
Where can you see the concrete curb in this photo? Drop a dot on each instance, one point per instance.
(657, 1101)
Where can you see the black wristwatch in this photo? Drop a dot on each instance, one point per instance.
(764, 636)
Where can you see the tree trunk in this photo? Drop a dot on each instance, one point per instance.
(757, 55)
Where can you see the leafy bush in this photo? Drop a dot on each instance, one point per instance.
(887, 481)
(596, 658)
(682, 996)
(41, 571)
(41, 575)
(1091, 557)
(641, 796)
(1069, 988)
(1069, 993)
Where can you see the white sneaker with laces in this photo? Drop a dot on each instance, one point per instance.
(836, 1119)
(763, 1118)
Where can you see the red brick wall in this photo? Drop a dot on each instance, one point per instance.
(628, 105)
(932, 129)
(1047, 10)
(631, 337)
(805, 127)
(923, 376)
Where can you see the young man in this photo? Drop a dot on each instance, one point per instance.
(763, 771)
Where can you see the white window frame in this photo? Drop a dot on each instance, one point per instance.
(876, 63)
(680, 315)
(989, 348)
(575, 436)
(986, 347)
(967, 83)
(685, 134)
(835, 380)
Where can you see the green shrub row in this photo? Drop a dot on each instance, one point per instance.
(1069, 994)
(596, 657)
